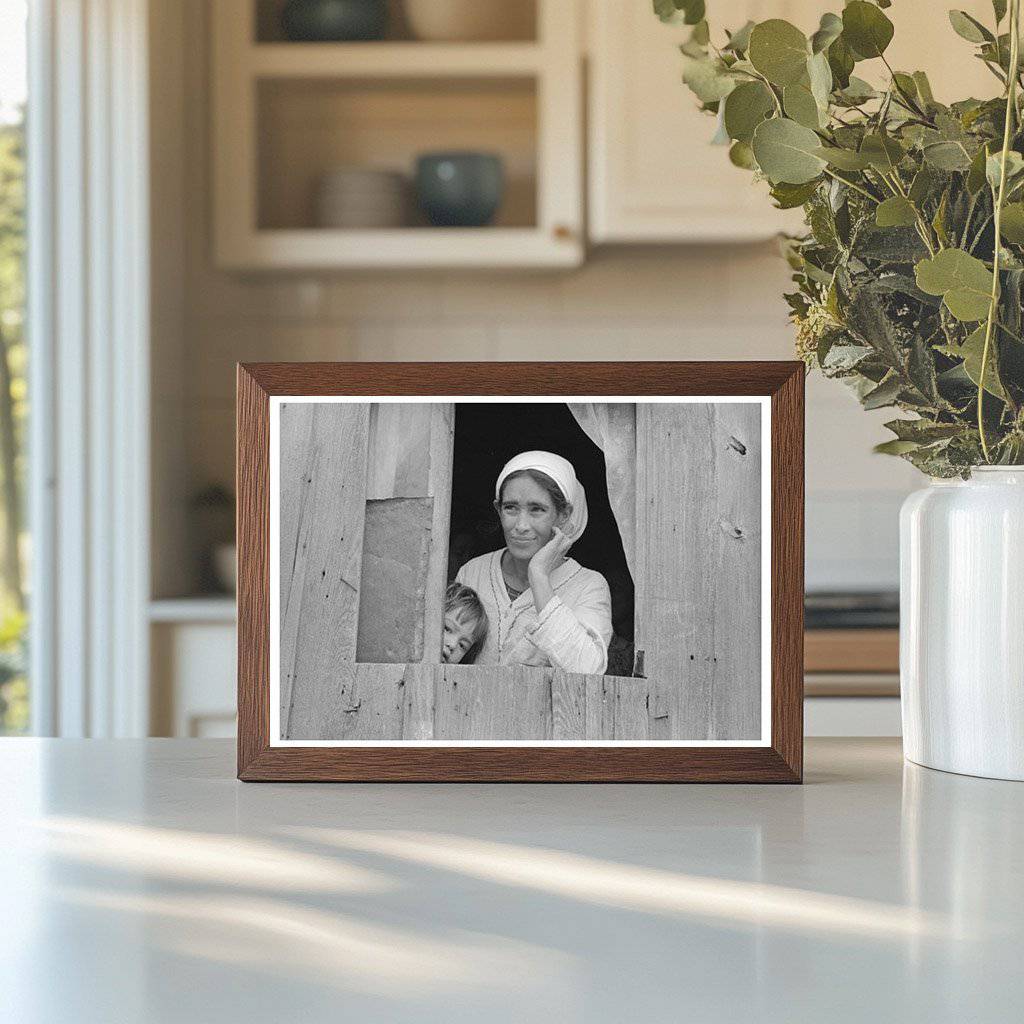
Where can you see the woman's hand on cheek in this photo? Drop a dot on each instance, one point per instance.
(549, 556)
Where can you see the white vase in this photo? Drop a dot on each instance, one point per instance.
(962, 624)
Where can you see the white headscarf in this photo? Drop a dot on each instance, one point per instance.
(561, 471)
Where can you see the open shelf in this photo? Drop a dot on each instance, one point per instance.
(519, 22)
(308, 127)
(286, 114)
(392, 60)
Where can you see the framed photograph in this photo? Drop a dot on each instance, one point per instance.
(520, 571)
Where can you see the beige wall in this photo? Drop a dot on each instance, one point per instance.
(652, 303)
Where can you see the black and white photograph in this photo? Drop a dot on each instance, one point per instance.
(530, 571)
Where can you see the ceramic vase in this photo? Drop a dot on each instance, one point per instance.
(962, 624)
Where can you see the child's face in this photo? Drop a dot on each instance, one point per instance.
(458, 637)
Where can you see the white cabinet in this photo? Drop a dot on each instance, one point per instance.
(287, 114)
(654, 177)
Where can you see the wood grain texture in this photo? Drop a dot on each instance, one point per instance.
(698, 557)
(779, 762)
(323, 449)
(852, 650)
(442, 455)
(511, 703)
(393, 585)
(399, 450)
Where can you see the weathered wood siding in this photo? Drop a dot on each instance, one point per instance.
(393, 588)
(323, 499)
(410, 451)
(460, 702)
(698, 618)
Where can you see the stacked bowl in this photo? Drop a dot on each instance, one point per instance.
(362, 197)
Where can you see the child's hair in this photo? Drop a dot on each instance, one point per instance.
(464, 602)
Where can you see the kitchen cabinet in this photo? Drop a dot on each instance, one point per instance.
(653, 175)
(287, 114)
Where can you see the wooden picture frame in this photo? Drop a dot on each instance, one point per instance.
(576, 708)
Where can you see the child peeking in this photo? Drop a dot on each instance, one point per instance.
(465, 623)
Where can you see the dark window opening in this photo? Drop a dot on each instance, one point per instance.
(488, 435)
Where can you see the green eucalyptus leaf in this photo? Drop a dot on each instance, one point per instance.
(971, 351)
(666, 10)
(779, 51)
(844, 159)
(741, 155)
(866, 29)
(689, 12)
(1011, 225)
(922, 185)
(939, 220)
(906, 84)
(976, 173)
(882, 151)
(693, 10)
(786, 151)
(745, 108)
(999, 9)
(895, 212)
(819, 74)
(969, 28)
(993, 167)
(800, 105)
(788, 196)
(841, 62)
(923, 431)
(883, 395)
(829, 30)
(895, 447)
(924, 88)
(963, 281)
(701, 33)
(947, 156)
(739, 41)
(708, 80)
(857, 91)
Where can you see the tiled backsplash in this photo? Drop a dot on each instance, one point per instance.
(716, 303)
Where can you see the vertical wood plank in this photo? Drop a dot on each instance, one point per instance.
(399, 447)
(361, 702)
(616, 708)
(568, 706)
(508, 703)
(418, 707)
(442, 454)
(697, 609)
(392, 589)
(323, 478)
(736, 708)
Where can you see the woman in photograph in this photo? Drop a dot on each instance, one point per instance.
(544, 608)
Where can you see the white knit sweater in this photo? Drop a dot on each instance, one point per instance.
(572, 632)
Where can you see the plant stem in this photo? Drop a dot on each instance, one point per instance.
(853, 185)
(1011, 107)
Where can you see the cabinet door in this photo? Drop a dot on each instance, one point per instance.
(654, 176)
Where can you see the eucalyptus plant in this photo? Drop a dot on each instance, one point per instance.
(902, 290)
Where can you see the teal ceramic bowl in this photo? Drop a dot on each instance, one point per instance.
(460, 189)
(334, 21)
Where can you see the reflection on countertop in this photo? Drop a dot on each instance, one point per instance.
(147, 884)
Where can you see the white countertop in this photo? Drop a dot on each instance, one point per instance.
(140, 882)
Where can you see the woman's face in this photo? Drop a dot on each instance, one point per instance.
(528, 516)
